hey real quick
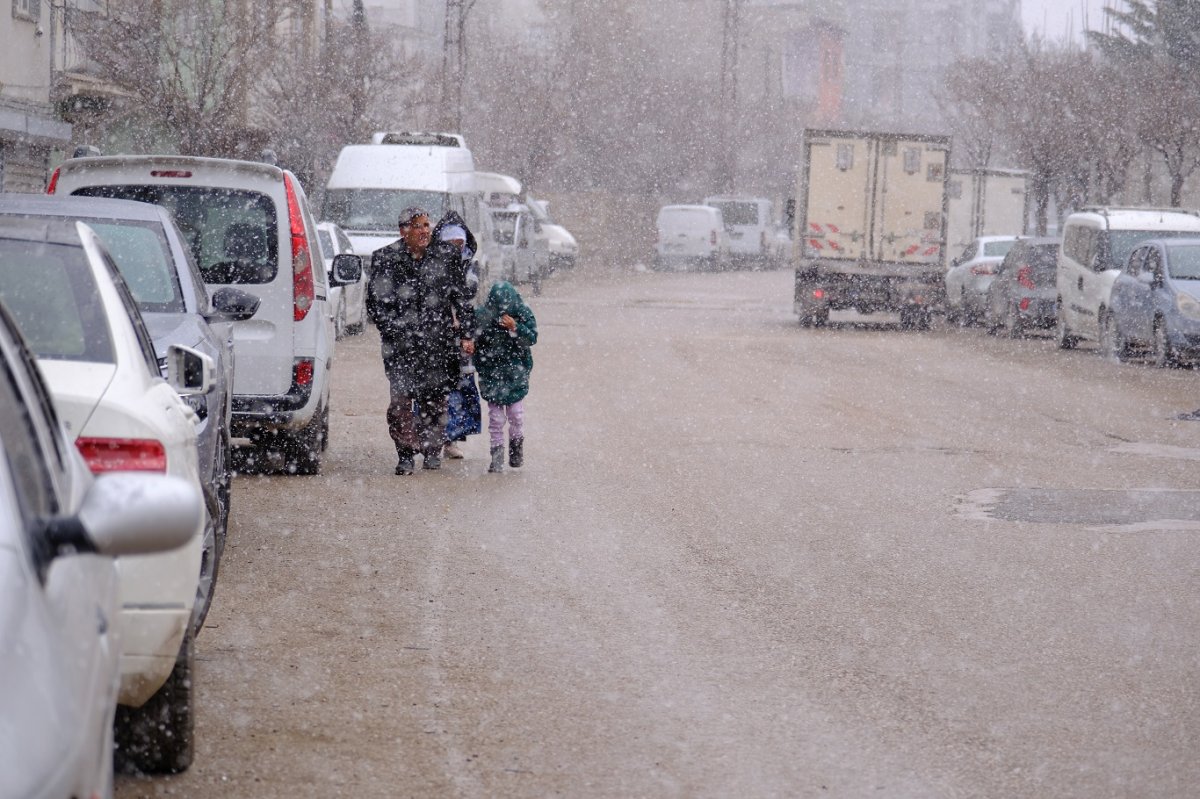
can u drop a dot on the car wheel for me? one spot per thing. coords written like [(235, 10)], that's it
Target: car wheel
[(158, 737), (1111, 344), (215, 526), (1062, 334), (302, 450), (1161, 352), (1014, 326)]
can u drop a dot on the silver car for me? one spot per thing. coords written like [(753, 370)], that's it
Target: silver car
[(971, 273), (59, 531), (157, 265)]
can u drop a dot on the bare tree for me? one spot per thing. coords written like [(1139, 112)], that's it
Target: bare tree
[(189, 67)]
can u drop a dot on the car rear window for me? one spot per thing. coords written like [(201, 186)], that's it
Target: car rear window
[(53, 296), (686, 219), (997, 249), (144, 258), (379, 209), (738, 213), (504, 227), (1184, 261), (232, 233)]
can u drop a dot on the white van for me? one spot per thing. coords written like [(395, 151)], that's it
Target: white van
[(748, 223), (247, 224), (1096, 245), (691, 236), (372, 183), (499, 191)]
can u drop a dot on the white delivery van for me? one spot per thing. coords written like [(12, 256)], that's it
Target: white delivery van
[(748, 223), (372, 183), (248, 224), (691, 236)]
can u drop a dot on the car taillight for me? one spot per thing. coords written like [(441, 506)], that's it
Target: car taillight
[(122, 454), (981, 270), (1025, 277), (303, 288), (818, 294), (302, 372), (53, 181)]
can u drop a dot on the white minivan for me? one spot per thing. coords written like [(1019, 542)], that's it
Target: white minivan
[(372, 183), (691, 236), (248, 224), (1096, 244), (748, 223)]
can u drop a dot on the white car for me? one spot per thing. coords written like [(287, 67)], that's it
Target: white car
[(67, 296), (691, 236), (1097, 243), (248, 225), (564, 249), (748, 223), (59, 532), (971, 273), (347, 303)]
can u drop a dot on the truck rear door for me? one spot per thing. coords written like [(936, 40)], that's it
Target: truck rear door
[(909, 189), (835, 215)]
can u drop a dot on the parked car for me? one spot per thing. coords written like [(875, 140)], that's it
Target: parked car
[(971, 273), (1154, 305), (1097, 242), (691, 237), (748, 223), (513, 231), (1021, 294), (80, 320), (60, 529), (561, 245), (348, 302), (157, 266), (248, 224)]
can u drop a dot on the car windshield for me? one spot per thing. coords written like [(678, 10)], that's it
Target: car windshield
[(231, 233), (738, 213), (1184, 261), (1122, 242), (142, 254), (378, 210), (504, 227), (997, 249), (51, 292)]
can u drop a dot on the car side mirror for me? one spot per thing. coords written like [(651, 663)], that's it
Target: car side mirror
[(347, 269), (188, 371), (233, 305)]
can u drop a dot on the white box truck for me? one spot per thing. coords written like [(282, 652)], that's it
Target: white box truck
[(985, 202), (870, 225)]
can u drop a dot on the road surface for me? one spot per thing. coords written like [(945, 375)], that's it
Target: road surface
[(743, 559)]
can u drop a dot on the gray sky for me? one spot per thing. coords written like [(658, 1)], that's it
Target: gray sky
[(1054, 18)]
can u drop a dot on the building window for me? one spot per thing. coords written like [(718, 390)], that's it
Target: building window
[(27, 9)]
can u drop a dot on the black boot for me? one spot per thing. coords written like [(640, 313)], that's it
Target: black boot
[(404, 462), (516, 452), (497, 464)]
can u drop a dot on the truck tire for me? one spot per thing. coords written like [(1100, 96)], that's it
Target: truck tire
[(159, 736)]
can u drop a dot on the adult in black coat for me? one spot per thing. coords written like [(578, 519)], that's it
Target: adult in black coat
[(415, 294)]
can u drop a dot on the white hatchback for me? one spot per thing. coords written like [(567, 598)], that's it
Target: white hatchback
[(347, 303), (971, 274), (81, 321)]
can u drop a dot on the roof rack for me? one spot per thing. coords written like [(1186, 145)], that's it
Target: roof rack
[(419, 138), (1104, 210)]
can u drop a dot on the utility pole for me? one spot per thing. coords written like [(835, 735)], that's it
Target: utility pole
[(730, 34), (358, 95), (454, 61)]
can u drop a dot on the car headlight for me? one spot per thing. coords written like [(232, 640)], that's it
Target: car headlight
[(1188, 305)]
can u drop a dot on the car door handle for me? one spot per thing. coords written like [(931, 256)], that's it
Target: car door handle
[(101, 622), (1080, 283)]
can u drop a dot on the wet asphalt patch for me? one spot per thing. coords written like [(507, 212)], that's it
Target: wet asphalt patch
[(1145, 509)]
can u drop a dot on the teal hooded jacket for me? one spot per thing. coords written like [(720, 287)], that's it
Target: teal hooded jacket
[(503, 361)]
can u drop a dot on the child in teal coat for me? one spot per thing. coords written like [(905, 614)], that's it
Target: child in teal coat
[(505, 329)]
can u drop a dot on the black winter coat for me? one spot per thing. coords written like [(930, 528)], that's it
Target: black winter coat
[(414, 303)]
